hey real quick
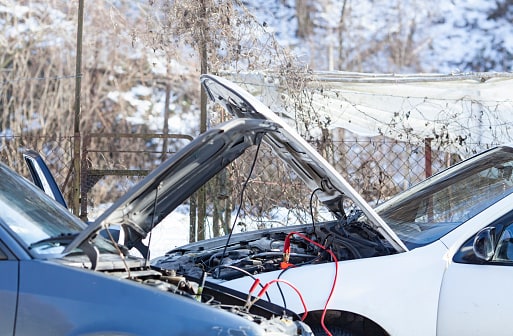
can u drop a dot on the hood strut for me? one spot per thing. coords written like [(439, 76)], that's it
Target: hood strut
[(147, 255)]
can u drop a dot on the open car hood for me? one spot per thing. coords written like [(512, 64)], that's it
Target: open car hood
[(147, 203), (300, 156)]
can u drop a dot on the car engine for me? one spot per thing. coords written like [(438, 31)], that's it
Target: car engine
[(251, 253)]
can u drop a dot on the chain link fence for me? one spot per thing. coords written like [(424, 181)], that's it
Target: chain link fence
[(377, 167), (112, 163)]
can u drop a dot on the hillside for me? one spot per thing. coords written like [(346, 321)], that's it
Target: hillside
[(400, 36)]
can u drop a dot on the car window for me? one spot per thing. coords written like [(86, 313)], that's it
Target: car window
[(503, 236), (504, 250), (30, 216), (436, 206)]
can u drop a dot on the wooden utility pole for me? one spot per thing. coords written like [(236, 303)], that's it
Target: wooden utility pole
[(198, 231), (75, 203)]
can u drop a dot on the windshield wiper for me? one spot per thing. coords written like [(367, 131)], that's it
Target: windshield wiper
[(60, 240)]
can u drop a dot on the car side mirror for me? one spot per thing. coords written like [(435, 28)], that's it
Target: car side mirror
[(484, 244)]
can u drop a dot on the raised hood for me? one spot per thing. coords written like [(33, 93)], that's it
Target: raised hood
[(306, 162), (147, 203), (165, 188)]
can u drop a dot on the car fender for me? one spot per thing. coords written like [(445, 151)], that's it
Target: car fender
[(398, 292)]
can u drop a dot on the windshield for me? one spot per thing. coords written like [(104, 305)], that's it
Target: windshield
[(31, 217), (431, 209)]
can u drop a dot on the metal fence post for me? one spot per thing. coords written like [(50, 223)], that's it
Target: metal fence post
[(428, 157)]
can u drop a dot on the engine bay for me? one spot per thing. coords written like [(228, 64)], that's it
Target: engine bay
[(252, 253)]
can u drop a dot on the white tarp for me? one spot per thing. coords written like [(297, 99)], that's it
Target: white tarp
[(460, 108), (477, 108)]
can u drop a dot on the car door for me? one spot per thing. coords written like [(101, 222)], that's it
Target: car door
[(8, 290), (476, 296)]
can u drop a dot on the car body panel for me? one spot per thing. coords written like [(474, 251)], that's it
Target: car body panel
[(484, 294), (8, 289), (470, 307)]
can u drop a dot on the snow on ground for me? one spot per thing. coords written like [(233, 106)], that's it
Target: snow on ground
[(171, 233)]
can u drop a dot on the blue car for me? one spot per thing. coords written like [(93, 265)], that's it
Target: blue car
[(59, 276)]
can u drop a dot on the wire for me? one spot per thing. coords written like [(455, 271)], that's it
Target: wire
[(286, 269), (287, 245), (311, 206), (248, 274), (28, 79), (266, 287), (255, 283), (244, 186), (123, 258), (279, 287)]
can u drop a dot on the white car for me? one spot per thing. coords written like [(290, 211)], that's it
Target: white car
[(436, 259)]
